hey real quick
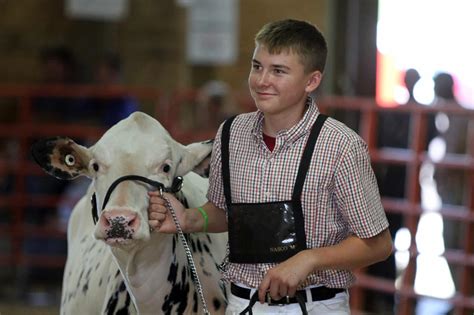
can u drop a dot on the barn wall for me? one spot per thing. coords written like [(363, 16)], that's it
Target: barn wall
[(151, 39)]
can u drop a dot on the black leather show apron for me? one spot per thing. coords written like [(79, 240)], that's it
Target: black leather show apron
[(268, 232)]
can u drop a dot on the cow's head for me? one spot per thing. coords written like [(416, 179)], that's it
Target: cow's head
[(138, 145)]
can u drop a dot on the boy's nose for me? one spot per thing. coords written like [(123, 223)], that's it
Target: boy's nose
[(263, 78)]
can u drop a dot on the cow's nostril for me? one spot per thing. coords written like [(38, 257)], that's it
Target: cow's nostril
[(107, 222), (119, 223)]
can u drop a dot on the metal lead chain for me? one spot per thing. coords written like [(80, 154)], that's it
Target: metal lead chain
[(189, 255)]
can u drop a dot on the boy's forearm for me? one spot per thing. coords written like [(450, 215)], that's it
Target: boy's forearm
[(353, 253), (216, 219)]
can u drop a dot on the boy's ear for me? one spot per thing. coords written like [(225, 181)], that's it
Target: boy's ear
[(314, 81)]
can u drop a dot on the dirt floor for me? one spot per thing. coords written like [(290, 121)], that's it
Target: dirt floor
[(7, 308), (32, 300)]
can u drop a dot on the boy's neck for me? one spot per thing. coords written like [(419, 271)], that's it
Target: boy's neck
[(273, 123)]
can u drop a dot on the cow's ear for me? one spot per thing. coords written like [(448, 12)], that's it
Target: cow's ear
[(61, 157), (196, 158)]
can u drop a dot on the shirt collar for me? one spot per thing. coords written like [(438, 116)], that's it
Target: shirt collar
[(295, 132)]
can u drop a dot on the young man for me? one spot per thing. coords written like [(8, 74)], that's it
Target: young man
[(298, 222)]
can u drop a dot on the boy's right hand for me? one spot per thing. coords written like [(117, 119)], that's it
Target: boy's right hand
[(159, 217)]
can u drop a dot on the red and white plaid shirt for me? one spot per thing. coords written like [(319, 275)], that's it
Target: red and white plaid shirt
[(340, 196)]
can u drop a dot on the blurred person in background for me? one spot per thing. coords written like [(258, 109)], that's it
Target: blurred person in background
[(410, 79), (215, 104), (59, 67), (393, 132), (448, 133), (108, 73)]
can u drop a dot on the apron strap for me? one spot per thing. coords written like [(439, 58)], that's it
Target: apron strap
[(304, 163), (225, 137), (307, 155)]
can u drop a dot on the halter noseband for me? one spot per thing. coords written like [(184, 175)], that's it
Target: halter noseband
[(175, 187)]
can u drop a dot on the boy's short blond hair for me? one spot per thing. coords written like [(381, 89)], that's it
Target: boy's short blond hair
[(299, 37)]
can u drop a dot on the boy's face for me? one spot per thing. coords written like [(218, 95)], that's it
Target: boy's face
[(278, 82)]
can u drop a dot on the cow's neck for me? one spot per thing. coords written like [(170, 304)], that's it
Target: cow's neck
[(146, 269)]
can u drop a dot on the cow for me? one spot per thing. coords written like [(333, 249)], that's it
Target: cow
[(117, 265)]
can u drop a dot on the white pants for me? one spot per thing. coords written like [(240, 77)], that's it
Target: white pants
[(338, 305)]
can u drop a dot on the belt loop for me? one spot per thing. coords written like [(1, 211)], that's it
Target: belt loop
[(309, 295)]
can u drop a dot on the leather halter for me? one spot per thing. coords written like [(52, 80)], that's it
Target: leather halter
[(175, 187)]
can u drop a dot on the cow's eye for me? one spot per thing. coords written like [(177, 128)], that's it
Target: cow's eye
[(95, 166), (166, 168), (70, 160)]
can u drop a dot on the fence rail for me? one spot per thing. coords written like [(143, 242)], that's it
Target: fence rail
[(20, 125)]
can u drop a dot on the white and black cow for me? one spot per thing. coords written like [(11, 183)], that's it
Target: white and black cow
[(132, 270)]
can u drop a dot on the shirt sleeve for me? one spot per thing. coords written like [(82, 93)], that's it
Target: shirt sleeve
[(357, 193), (215, 194)]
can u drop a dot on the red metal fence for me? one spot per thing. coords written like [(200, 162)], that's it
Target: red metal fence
[(20, 125)]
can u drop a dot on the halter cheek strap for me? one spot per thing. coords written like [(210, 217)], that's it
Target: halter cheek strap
[(175, 187)]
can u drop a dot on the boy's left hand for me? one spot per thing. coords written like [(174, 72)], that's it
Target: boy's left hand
[(283, 279)]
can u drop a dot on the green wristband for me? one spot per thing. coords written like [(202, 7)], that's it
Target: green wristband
[(205, 217)]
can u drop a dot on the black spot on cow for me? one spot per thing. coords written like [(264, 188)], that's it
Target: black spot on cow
[(113, 301), (92, 246), (217, 304), (185, 203), (112, 304), (184, 274), (193, 246), (85, 287), (195, 302), (125, 309), (199, 247), (122, 287), (79, 279), (88, 274), (176, 302), (173, 272), (175, 241), (182, 199)]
